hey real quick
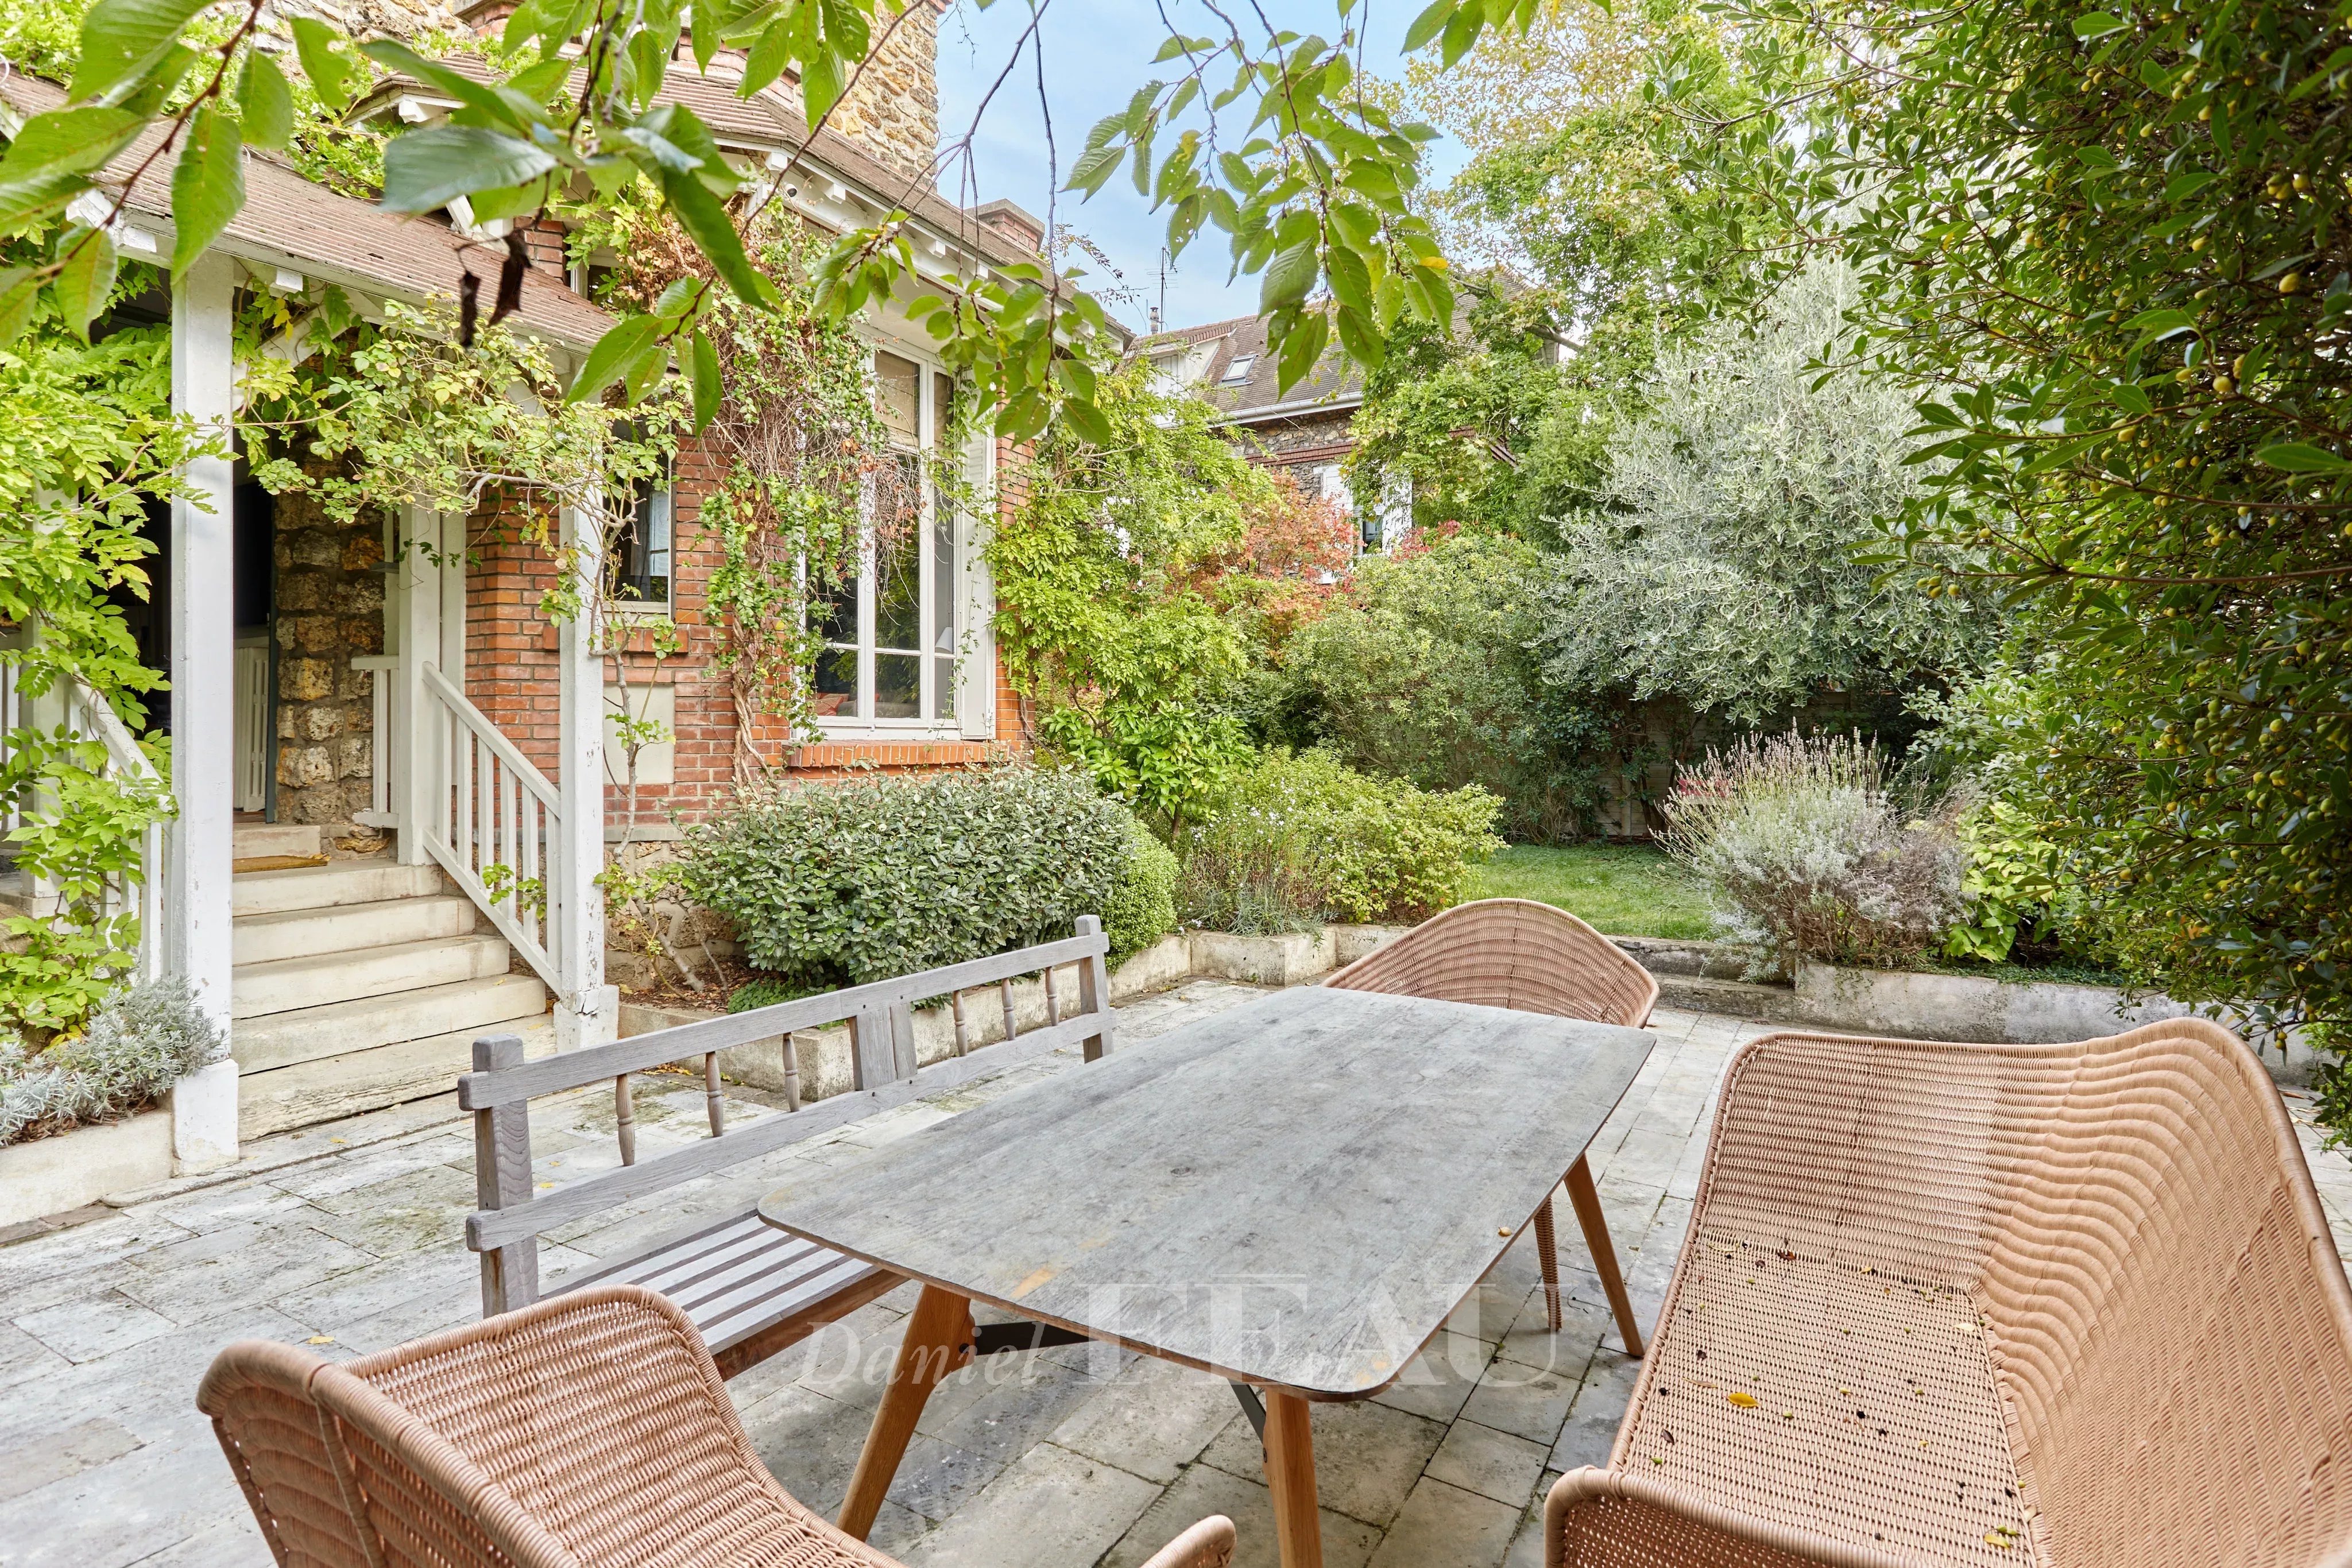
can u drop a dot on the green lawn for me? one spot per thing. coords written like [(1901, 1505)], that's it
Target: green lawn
[(1625, 889)]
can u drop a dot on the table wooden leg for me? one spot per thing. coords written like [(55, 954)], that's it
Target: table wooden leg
[(1587, 1202), (1548, 1263), (937, 1341), (1290, 1475)]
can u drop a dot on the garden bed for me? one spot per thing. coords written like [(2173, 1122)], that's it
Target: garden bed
[(41, 1176)]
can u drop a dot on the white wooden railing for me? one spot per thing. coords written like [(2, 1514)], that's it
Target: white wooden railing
[(88, 715), (383, 671), (491, 821)]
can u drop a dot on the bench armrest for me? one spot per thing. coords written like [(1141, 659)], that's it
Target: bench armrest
[(1606, 1519)]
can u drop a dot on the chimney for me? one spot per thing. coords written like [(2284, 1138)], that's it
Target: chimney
[(1012, 222)]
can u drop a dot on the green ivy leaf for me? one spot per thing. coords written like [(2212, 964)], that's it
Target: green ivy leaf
[(207, 185), (266, 101), (425, 169)]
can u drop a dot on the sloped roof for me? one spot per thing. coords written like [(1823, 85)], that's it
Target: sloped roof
[(290, 222), (768, 122), (1335, 383)]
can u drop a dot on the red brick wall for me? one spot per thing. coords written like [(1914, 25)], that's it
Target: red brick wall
[(510, 672)]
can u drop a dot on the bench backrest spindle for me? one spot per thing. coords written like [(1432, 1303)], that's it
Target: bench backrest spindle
[(625, 1118), (792, 1071), (962, 1030), (1053, 1003), (502, 1181), (710, 1094), (1004, 996)]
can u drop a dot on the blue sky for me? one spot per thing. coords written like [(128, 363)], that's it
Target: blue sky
[(1096, 53)]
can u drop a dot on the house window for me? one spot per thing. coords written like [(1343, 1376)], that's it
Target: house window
[(641, 552), (1237, 374), (890, 630)]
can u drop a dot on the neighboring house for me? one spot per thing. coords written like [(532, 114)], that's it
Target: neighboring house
[(316, 690), (1306, 432)]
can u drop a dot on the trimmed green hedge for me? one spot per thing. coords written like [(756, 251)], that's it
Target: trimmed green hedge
[(832, 884), (1303, 837), (1142, 907)]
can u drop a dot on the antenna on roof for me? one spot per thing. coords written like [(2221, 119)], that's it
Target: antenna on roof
[(1160, 312)]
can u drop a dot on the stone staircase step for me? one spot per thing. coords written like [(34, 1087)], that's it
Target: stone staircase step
[(336, 1028), (257, 841), (283, 985), (311, 1092), (328, 886), (350, 927)]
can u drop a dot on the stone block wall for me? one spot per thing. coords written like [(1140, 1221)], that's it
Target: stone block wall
[(893, 111), (330, 599)]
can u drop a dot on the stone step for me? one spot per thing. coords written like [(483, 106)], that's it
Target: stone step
[(327, 886), (308, 1034), (254, 841), (283, 985), (308, 1092), (351, 927)]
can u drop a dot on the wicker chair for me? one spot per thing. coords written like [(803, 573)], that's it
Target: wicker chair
[(591, 1429), (1517, 953), (2066, 1305)]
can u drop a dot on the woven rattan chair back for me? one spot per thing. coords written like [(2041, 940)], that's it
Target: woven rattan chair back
[(1510, 953), (2068, 1305), (286, 1457), (588, 1431)]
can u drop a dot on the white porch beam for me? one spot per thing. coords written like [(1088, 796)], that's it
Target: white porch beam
[(417, 601), (589, 1011), (203, 759)]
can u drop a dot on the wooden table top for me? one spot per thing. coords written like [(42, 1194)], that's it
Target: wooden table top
[(1295, 1192)]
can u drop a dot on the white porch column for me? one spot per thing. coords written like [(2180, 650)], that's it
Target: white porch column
[(417, 589), (589, 1011), (203, 759)]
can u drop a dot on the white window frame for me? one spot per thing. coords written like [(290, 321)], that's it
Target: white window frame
[(964, 709), (664, 607)]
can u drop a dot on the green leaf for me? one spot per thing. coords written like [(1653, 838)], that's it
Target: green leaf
[(2130, 399), (207, 186), (621, 344), (2098, 25), (1302, 348), (85, 277), (1429, 24), (2180, 187), (1289, 277), (19, 287), (24, 202), (425, 169), (709, 388), (266, 101), (77, 141), (329, 69), (2301, 457), (1094, 167), (713, 232), (122, 40), (1088, 420)]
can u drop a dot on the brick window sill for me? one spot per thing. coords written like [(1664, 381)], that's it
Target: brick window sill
[(894, 753)]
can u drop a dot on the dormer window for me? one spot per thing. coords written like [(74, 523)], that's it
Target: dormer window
[(1238, 372)]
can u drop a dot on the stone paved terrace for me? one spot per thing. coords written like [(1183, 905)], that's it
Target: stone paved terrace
[(345, 1237)]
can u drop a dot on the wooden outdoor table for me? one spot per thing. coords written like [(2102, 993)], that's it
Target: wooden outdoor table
[(1294, 1194)]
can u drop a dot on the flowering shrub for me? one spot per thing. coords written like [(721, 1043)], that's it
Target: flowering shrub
[(1305, 837), (1814, 855)]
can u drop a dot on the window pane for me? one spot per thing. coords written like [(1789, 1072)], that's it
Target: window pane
[(834, 612), (640, 564), (942, 406), (898, 571), (897, 389), (897, 686), (943, 576), (943, 693), (836, 683)]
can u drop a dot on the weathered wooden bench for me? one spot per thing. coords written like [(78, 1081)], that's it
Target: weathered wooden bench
[(750, 1289)]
